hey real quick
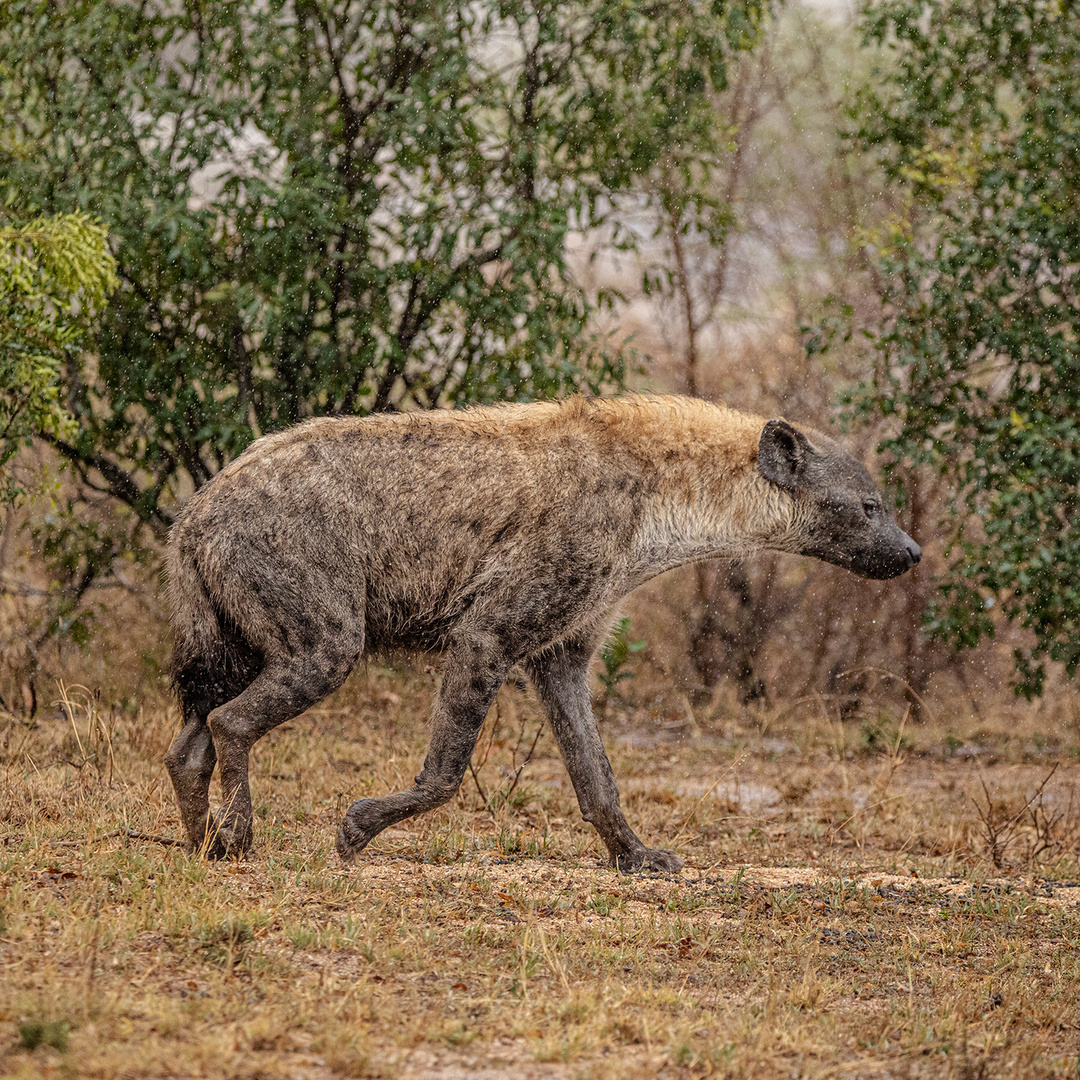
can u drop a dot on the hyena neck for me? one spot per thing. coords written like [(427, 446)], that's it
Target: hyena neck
[(733, 523), (706, 498)]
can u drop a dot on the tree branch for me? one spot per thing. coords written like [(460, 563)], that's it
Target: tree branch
[(121, 484), (412, 320)]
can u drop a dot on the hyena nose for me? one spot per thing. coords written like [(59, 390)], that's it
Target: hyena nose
[(914, 552)]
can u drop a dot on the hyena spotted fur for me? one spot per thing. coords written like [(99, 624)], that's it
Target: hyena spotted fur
[(496, 536)]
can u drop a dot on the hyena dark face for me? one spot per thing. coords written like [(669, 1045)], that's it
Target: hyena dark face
[(842, 518)]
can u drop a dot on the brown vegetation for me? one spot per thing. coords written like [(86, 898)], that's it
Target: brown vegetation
[(841, 912)]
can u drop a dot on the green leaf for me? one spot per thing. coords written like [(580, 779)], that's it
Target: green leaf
[(975, 120)]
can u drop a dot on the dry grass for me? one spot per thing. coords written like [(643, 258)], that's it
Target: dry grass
[(841, 913)]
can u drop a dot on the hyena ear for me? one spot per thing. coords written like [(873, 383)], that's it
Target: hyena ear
[(783, 453)]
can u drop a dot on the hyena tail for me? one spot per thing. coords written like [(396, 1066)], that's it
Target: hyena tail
[(211, 662)]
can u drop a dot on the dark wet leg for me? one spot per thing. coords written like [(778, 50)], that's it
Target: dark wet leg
[(561, 676)]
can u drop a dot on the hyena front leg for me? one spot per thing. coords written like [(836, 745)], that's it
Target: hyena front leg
[(561, 676), (476, 665)]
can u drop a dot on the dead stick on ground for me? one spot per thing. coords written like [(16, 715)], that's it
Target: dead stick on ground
[(483, 794), (128, 834), (483, 761), (494, 732), (528, 758)]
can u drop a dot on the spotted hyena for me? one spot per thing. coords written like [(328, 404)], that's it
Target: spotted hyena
[(496, 536)]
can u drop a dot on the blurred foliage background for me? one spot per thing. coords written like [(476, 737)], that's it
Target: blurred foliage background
[(220, 219)]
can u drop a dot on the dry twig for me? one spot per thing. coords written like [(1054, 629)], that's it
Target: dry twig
[(127, 834), (998, 833)]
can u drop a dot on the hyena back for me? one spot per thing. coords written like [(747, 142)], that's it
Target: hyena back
[(497, 536)]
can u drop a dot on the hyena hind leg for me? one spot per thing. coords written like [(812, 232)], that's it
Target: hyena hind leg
[(190, 761), (286, 687), (203, 686)]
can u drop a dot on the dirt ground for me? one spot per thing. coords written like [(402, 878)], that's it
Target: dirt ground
[(860, 899)]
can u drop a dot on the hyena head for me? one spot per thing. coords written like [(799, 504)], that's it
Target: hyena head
[(840, 516)]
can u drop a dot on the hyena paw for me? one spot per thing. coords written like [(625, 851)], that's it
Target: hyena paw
[(356, 830), (226, 842), (349, 850), (656, 859)]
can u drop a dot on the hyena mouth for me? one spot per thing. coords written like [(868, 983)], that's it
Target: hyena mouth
[(882, 565)]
